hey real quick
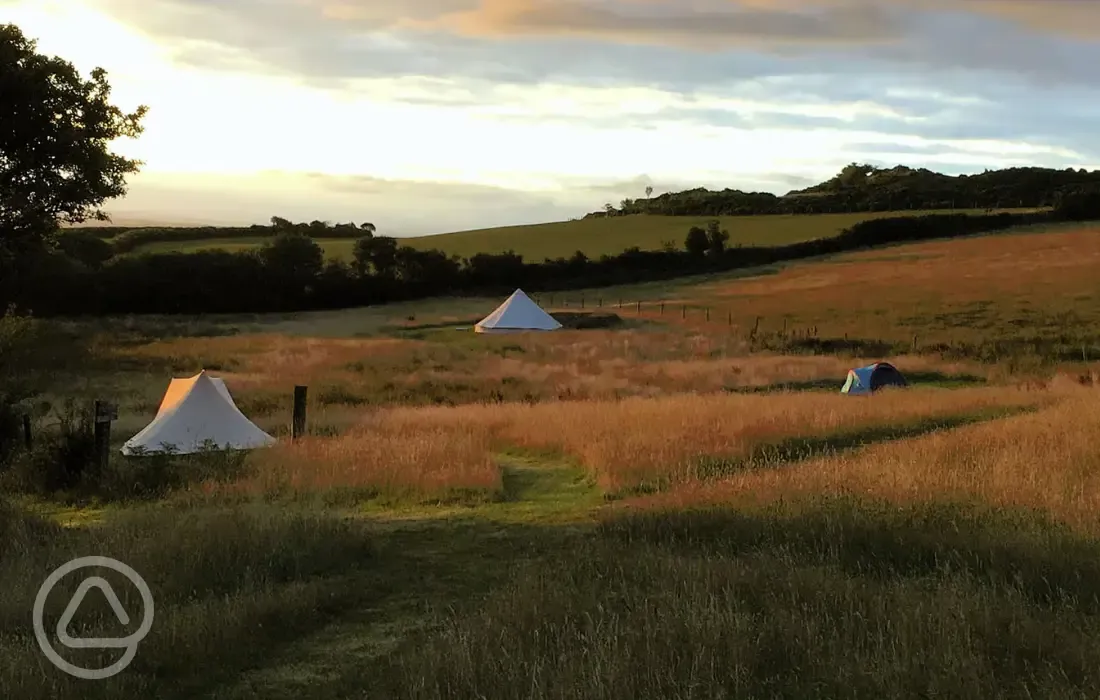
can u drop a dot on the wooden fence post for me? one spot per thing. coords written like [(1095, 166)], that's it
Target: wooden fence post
[(28, 439), (582, 301), (729, 319), (639, 307), (708, 313), (683, 311), (104, 413), (599, 302), (662, 308), (298, 425)]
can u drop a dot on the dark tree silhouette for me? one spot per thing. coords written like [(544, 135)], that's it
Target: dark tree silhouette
[(696, 242), (716, 238), (55, 164)]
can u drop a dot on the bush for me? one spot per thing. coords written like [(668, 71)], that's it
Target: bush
[(58, 461), (10, 423), (87, 249), (1081, 205)]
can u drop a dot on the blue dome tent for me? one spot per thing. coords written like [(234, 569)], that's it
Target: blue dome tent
[(869, 379)]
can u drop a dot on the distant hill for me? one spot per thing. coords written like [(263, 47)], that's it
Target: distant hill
[(128, 222), (866, 188), (592, 237), (856, 193)]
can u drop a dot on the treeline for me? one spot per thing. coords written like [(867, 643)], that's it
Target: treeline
[(290, 273), (861, 188), (121, 239)]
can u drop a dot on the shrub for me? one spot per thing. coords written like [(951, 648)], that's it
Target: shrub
[(59, 461)]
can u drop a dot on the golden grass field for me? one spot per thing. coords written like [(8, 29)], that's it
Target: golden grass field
[(669, 508), (1047, 460), (594, 237)]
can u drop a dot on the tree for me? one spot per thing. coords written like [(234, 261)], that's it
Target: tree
[(648, 191), (696, 242), (377, 254), (716, 238), (294, 258), (1078, 205), (368, 227), (855, 174), (55, 129)]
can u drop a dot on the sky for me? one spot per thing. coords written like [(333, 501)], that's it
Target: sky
[(428, 116)]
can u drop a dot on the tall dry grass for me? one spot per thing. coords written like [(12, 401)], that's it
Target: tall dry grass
[(261, 369), (1048, 461), (943, 291), (229, 585), (627, 443), (391, 461)]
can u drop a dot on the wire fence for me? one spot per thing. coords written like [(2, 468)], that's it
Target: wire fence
[(672, 310), (757, 330)]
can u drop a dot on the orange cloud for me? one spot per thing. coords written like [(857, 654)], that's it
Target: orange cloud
[(710, 22), (703, 24)]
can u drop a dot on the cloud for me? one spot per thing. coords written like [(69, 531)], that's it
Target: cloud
[(686, 42), (696, 25), (804, 21), (398, 207)]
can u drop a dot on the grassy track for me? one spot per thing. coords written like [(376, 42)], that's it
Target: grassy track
[(593, 237), (792, 588)]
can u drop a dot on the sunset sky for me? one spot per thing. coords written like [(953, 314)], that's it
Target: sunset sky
[(425, 116)]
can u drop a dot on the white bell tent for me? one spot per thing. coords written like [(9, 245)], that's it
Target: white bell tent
[(518, 313), (195, 412)]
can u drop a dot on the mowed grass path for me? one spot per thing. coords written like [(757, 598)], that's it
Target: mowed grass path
[(957, 569), (593, 237)]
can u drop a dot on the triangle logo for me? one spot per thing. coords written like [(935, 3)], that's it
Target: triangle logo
[(70, 610)]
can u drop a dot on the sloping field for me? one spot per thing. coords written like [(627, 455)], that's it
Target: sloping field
[(594, 237), (1021, 289)]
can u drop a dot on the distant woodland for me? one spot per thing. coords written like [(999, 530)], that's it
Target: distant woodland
[(860, 187), (84, 270)]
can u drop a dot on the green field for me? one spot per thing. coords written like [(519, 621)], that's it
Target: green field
[(595, 237)]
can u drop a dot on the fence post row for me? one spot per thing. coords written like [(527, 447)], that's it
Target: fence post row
[(28, 439)]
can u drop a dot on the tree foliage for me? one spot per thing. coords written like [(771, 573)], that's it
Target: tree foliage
[(55, 132), (55, 161), (696, 242), (716, 239)]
